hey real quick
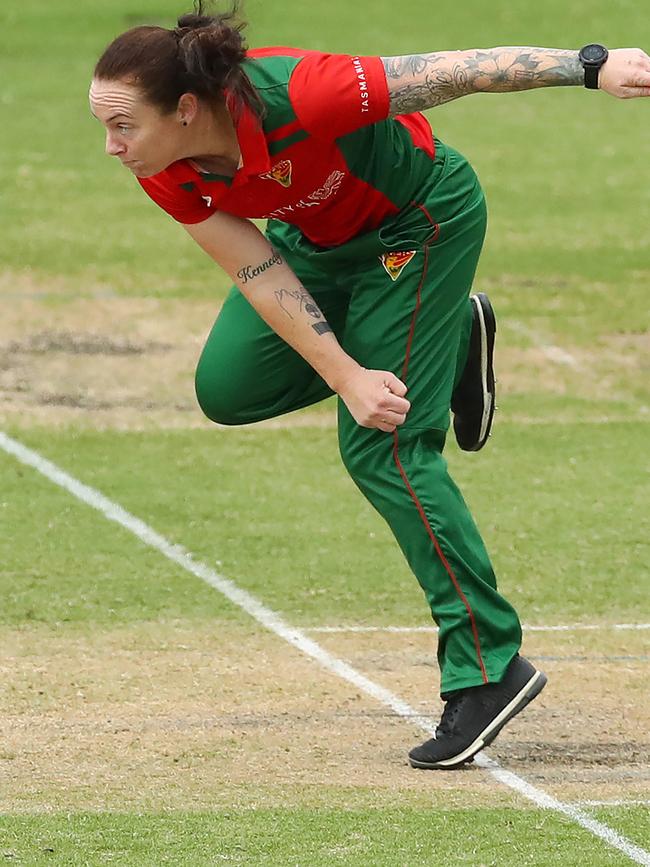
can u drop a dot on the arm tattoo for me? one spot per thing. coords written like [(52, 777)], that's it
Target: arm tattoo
[(299, 300), (420, 81), (249, 272), (321, 327)]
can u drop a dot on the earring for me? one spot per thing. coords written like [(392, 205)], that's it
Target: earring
[(184, 122)]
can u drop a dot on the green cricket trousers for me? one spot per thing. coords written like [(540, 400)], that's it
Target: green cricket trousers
[(409, 314)]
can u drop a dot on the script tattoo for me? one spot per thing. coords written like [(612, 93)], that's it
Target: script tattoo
[(420, 81), (249, 272), (301, 301)]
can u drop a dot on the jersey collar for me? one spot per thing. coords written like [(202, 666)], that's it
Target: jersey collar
[(252, 142), (255, 159)]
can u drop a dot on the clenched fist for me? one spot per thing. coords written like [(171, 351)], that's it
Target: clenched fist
[(375, 398)]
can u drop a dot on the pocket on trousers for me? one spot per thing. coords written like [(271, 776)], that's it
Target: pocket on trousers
[(411, 230)]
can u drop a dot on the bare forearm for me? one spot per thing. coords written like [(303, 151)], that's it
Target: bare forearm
[(284, 304), (420, 81), (275, 292)]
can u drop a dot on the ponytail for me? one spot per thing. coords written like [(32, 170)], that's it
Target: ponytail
[(203, 55)]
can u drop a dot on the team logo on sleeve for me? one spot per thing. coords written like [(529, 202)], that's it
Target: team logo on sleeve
[(394, 263), (281, 172)]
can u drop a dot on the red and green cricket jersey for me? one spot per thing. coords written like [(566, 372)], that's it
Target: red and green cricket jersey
[(325, 156)]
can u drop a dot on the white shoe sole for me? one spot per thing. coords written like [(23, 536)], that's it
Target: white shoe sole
[(487, 395)]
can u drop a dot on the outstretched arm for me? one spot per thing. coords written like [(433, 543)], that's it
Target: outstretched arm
[(420, 81)]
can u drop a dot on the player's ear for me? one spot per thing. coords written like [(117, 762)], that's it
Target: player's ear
[(187, 108)]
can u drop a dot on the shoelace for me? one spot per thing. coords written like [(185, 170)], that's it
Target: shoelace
[(488, 694), (450, 714)]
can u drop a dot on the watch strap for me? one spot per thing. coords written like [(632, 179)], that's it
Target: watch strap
[(591, 77)]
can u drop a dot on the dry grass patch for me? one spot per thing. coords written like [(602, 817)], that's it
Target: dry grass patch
[(189, 716), (184, 716), (109, 360)]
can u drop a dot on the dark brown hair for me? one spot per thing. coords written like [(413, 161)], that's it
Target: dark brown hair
[(201, 55)]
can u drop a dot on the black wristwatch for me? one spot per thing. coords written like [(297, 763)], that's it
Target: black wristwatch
[(592, 58)]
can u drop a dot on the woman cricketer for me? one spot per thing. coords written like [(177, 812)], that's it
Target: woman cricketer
[(359, 287)]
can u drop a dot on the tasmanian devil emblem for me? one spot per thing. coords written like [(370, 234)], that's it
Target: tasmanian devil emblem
[(281, 172), (394, 263)]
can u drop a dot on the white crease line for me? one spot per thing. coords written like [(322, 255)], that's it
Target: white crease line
[(568, 627), (296, 637), (555, 353)]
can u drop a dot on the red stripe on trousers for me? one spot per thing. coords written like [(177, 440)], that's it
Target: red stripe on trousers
[(413, 495)]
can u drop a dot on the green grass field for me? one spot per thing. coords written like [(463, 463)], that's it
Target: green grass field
[(147, 720)]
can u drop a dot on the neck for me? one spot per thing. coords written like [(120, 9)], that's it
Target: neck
[(212, 145)]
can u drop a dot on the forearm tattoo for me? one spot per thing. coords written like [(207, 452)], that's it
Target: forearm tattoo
[(297, 301), (249, 272), (420, 81)]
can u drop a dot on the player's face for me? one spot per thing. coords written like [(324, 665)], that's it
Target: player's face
[(143, 139)]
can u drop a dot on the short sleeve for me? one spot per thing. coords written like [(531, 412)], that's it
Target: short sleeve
[(336, 94), (184, 203)]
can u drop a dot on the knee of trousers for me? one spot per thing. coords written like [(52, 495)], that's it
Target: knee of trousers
[(217, 398)]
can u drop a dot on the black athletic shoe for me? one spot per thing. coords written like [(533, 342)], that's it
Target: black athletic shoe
[(472, 402), (473, 717)]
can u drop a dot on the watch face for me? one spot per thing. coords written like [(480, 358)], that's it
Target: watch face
[(593, 53)]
